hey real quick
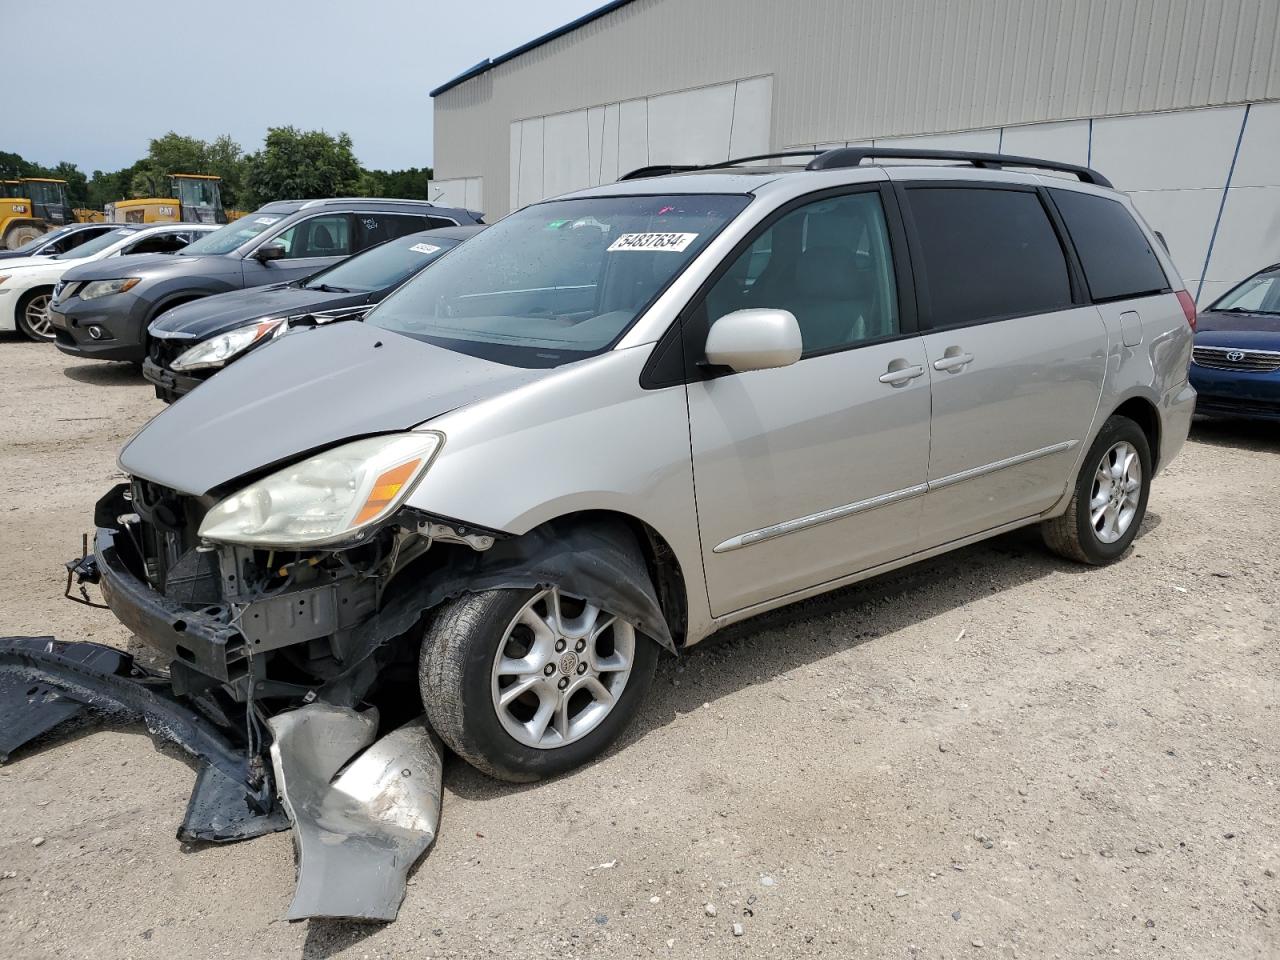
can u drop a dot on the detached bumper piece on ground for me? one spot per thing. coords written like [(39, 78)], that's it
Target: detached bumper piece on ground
[(360, 819)]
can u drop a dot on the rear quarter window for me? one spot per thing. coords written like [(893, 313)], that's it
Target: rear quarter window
[(1118, 261)]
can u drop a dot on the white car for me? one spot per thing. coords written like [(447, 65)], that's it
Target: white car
[(26, 283)]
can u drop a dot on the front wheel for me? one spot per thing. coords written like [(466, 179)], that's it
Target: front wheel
[(524, 684), (1110, 498), (33, 316)]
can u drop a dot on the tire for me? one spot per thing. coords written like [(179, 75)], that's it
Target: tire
[(32, 315), (459, 677), (1098, 535), (18, 236)]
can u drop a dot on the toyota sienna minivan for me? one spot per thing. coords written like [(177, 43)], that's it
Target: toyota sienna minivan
[(618, 420)]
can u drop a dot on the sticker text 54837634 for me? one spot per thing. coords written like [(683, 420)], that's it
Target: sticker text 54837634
[(670, 242)]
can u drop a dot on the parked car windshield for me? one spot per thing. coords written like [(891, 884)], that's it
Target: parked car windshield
[(1258, 294), (234, 235), (97, 244), (383, 266), (557, 281)]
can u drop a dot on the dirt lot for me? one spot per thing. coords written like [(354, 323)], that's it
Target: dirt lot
[(993, 754)]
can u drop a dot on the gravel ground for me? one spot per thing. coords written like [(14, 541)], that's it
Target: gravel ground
[(993, 754)]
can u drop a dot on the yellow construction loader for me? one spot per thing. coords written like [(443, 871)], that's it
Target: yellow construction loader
[(31, 206), (196, 198)]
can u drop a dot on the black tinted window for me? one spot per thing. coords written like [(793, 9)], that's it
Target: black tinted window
[(1117, 260), (375, 228), (987, 254)]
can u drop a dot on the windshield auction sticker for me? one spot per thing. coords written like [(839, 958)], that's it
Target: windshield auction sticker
[(423, 248), (673, 242)]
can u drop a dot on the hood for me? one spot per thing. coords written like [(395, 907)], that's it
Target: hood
[(156, 266), (312, 389), (204, 318), (13, 263), (1259, 331)]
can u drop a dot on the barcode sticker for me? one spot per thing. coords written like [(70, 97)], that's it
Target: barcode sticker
[(673, 242)]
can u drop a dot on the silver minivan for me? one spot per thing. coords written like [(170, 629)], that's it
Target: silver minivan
[(619, 420)]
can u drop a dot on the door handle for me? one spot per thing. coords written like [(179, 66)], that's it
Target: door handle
[(953, 360), (900, 375)]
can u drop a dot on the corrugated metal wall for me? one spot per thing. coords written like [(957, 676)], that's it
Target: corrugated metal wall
[(857, 69)]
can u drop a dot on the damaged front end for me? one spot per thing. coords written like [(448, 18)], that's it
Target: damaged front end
[(294, 672)]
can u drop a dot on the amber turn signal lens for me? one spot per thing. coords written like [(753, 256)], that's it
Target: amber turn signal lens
[(385, 489)]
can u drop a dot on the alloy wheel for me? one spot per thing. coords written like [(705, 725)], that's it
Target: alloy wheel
[(1117, 490), (36, 316), (560, 669)]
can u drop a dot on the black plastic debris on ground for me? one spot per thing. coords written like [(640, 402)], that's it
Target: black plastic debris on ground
[(45, 683)]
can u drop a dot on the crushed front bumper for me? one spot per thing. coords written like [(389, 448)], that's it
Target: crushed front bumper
[(207, 632), (202, 640)]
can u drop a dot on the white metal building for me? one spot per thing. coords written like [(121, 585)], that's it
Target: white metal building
[(1176, 101)]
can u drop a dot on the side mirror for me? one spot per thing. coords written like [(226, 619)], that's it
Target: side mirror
[(269, 252), (754, 340)]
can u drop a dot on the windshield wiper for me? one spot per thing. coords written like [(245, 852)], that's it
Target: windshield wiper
[(325, 288)]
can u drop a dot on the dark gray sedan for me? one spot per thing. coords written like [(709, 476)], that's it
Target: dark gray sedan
[(192, 342), (281, 242)]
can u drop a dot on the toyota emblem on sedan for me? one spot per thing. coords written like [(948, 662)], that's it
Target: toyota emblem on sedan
[(1235, 356)]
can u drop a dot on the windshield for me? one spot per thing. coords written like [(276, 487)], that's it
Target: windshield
[(31, 245), (385, 265), (233, 235), (558, 281), (1258, 294), (110, 238)]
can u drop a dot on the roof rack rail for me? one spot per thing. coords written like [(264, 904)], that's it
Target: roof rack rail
[(663, 169), (853, 156), (840, 157), (322, 200)]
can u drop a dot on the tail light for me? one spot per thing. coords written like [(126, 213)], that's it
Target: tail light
[(1189, 308)]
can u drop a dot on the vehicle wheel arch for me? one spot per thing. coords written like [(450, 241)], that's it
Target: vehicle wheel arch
[(175, 300), (1143, 411), (660, 559)]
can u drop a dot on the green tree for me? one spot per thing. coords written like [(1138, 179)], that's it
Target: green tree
[(296, 164), (409, 184)]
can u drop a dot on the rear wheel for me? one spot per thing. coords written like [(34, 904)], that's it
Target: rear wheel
[(33, 315), (1110, 498), (524, 684), (18, 236)]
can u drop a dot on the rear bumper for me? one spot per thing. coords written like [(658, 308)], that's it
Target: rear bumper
[(1178, 406)]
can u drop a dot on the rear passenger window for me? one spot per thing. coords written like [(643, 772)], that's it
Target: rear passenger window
[(987, 254), (1117, 259), (375, 228), (828, 263)]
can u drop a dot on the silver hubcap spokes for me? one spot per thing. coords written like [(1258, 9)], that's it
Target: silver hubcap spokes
[(560, 669), (1117, 488), (37, 316)]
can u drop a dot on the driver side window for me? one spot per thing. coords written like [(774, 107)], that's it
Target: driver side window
[(324, 236), (828, 263)]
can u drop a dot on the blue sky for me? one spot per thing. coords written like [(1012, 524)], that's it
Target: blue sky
[(96, 79)]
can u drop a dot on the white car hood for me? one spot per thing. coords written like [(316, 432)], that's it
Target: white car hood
[(7, 265), (38, 271)]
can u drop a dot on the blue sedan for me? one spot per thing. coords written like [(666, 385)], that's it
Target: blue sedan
[(1235, 364)]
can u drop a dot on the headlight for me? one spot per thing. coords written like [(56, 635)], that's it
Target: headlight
[(216, 351), (326, 498), (104, 288), (4, 277)]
